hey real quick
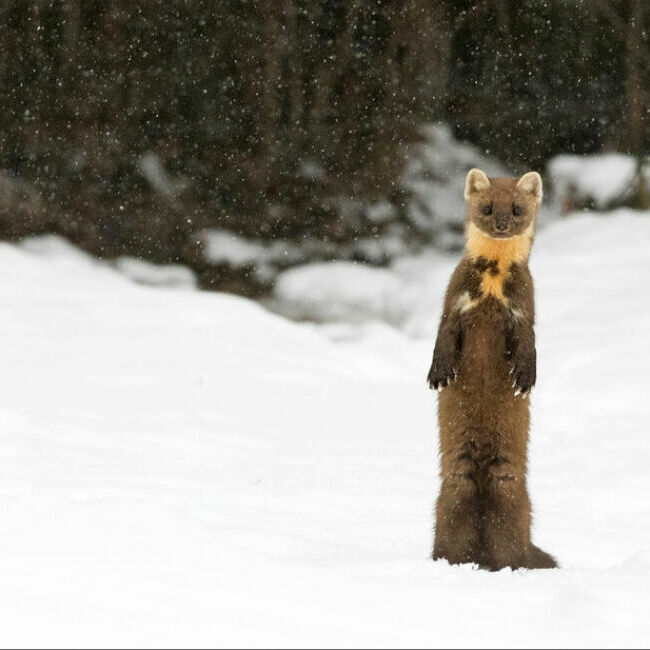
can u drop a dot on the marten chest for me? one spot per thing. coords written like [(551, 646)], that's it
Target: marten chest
[(493, 267), (489, 278)]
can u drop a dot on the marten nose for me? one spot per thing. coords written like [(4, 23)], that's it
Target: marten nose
[(501, 225)]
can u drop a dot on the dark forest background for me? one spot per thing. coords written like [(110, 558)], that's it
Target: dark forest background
[(128, 127)]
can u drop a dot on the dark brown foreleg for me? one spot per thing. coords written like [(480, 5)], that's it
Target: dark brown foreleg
[(446, 354), (520, 340)]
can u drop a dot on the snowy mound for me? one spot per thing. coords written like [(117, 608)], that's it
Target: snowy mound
[(185, 469), (600, 181), (60, 252), (156, 275), (337, 291)]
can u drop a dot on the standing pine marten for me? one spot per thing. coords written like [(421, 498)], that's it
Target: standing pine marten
[(484, 364)]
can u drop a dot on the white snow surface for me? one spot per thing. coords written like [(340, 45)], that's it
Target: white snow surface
[(185, 469)]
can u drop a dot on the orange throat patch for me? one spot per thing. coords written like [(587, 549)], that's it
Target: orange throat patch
[(500, 254)]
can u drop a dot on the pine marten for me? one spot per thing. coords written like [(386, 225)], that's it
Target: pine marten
[(484, 366)]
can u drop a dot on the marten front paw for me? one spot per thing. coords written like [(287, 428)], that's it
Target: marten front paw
[(443, 371), (524, 373)]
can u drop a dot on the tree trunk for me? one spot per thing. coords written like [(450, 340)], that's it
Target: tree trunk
[(633, 89)]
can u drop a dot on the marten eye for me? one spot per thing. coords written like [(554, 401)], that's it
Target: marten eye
[(487, 210), (516, 210)]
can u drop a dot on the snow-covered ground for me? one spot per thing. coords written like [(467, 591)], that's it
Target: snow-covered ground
[(185, 468)]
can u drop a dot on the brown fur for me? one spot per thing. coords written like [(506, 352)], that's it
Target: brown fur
[(485, 360)]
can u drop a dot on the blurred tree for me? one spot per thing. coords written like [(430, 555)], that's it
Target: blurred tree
[(129, 126), (531, 78), (271, 112), (629, 22)]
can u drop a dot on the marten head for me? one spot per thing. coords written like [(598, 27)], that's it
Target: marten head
[(502, 208)]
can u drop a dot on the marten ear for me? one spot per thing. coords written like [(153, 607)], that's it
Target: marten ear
[(531, 183), (476, 181)]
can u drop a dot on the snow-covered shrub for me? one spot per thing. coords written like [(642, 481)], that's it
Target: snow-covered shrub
[(598, 181), (263, 260), (432, 213), (435, 178)]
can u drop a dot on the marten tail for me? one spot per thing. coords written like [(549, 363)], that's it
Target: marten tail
[(538, 559)]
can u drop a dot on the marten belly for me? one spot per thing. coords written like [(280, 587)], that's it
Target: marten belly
[(484, 366), (482, 403)]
